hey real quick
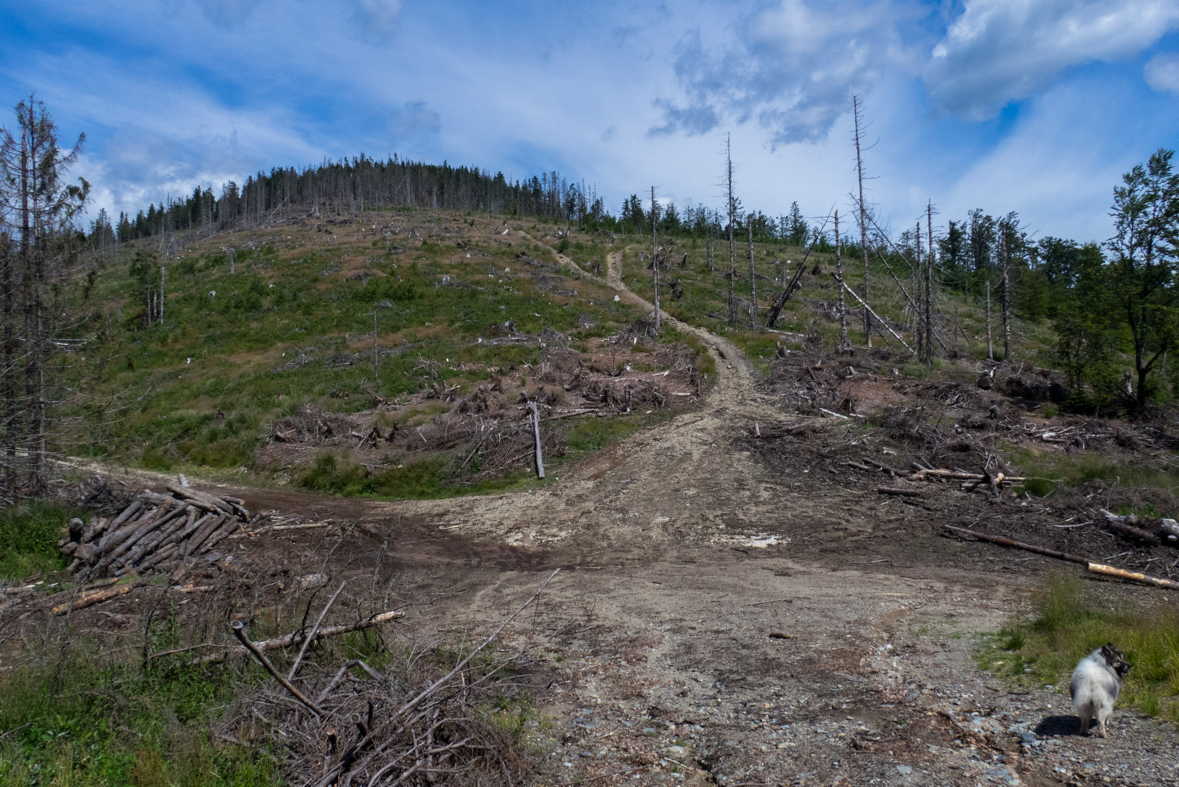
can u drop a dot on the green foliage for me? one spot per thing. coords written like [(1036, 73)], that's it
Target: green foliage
[(28, 538), (425, 479), (78, 719), (1086, 466), (591, 434), (1072, 621)]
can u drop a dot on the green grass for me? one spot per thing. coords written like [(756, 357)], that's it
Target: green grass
[(426, 479), (291, 327), (1071, 621), (72, 719), (28, 539), (1082, 467), (591, 434)]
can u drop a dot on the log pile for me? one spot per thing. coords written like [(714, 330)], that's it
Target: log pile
[(155, 533)]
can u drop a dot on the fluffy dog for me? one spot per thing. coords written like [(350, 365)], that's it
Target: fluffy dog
[(1095, 685)]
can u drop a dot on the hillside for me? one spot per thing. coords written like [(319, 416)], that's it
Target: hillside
[(401, 344)]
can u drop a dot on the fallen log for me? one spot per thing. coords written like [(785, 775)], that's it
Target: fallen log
[(1007, 542), (98, 597), (211, 521), (1110, 571), (297, 637), (232, 525), (128, 512), (891, 490), (200, 499), (1132, 533)]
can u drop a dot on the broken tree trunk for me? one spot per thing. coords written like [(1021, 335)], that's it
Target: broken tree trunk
[(1110, 571), (536, 432)]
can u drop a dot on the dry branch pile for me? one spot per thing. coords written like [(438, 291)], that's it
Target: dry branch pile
[(155, 533), (415, 723)]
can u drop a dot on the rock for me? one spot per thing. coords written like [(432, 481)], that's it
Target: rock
[(312, 581), (904, 770)]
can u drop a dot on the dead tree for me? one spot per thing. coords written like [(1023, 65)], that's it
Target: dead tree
[(1005, 282), (929, 286), (732, 315), (752, 281), (863, 219), (844, 343), (990, 346), (32, 190), (655, 255)]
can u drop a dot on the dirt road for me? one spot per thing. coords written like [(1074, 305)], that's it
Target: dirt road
[(724, 618)]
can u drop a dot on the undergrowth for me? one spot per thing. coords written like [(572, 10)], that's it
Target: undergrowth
[(1071, 621), (75, 718), (28, 539)]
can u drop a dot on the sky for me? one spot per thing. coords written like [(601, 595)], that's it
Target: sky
[(1032, 106)]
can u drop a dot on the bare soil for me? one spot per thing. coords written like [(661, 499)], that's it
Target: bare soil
[(732, 609)]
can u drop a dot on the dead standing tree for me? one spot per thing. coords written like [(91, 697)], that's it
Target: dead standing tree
[(41, 207), (752, 281), (732, 312), (863, 219), (844, 342), (655, 254), (929, 261)]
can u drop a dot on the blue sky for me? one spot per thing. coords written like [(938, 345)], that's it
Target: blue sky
[(1034, 106)]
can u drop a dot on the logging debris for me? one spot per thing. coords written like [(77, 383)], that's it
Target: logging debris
[(154, 533), (1096, 568)]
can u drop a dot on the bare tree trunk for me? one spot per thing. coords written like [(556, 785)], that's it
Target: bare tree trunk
[(32, 305), (732, 315), (863, 220), (1006, 299), (929, 287), (655, 257), (752, 281), (918, 318), (990, 347), (9, 375), (844, 342), (161, 295)]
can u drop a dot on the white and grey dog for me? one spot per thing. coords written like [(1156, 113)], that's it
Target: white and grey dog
[(1095, 686)]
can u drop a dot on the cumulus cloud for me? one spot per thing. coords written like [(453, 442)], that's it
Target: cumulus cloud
[(1162, 72), (1000, 51), (791, 71), (413, 118)]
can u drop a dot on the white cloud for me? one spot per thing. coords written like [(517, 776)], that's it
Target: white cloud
[(1000, 51), (792, 70), (378, 18), (1162, 72), (413, 118)]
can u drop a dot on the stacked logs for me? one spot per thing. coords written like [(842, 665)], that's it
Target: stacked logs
[(155, 533)]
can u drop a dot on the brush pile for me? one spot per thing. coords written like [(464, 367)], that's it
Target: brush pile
[(414, 723), (154, 533)]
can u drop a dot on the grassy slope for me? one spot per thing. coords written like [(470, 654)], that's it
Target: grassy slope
[(293, 326)]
